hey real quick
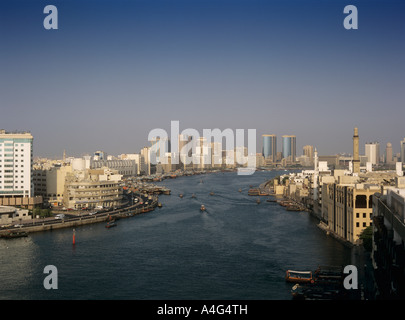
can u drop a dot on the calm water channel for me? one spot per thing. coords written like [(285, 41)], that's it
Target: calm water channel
[(238, 249)]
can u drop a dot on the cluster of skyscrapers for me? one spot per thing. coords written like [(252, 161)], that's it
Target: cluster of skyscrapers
[(18, 179), (288, 154), (289, 148)]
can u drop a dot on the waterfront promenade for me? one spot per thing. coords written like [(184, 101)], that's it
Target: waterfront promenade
[(47, 224)]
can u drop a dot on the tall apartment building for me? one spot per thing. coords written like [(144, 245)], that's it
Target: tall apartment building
[(402, 155), (269, 150), (309, 152), (389, 159), (373, 152), (15, 165), (289, 148), (159, 148)]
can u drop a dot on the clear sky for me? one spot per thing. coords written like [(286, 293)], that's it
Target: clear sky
[(115, 70)]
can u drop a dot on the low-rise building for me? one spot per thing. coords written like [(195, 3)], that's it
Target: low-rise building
[(50, 183), (12, 215), (348, 208), (92, 189)]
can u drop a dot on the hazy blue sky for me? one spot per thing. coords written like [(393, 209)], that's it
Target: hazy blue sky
[(114, 70)]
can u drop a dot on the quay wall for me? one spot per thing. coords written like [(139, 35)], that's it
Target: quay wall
[(80, 221)]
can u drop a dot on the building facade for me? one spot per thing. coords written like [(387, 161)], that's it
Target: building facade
[(309, 152), (92, 189), (289, 148), (124, 167), (15, 164), (402, 154), (50, 184), (373, 152), (389, 159), (348, 208), (388, 252), (269, 150)]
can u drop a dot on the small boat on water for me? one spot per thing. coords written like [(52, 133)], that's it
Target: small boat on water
[(253, 192), (110, 224), (258, 201), (193, 196), (298, 276), (211, 193), (285, 203), (181, 195), (159, 205), (13, 235), (202, 208), (294, 207), (240, 190)]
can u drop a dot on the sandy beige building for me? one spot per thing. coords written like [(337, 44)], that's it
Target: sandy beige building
[(92, 189), (348, 208), (50, 184)]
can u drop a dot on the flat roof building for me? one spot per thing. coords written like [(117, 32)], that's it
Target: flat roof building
[(16, 154)]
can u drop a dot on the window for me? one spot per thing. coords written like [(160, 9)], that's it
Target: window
[(364, 214), (364, 224), (361, 201), (357, 215), (357, 224)]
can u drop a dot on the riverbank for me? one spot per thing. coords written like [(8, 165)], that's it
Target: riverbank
[(72, 222)]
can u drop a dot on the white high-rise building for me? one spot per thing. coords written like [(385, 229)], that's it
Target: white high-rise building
[(15, 164), (373, 152), (402, 155)]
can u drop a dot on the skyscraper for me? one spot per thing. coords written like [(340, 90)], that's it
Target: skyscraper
[(269, 150), (289, 148), (373, 152), (388, 154), (309, 152), (356, 157), (160, 147), (403, 151), (16, 165)]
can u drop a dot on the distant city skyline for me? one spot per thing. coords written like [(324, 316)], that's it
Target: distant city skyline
[(114, 71)]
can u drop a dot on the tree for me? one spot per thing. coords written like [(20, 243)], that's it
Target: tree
[(367, 237)]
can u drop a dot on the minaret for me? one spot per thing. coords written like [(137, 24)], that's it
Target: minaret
[(316, 174), (356, 159)]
